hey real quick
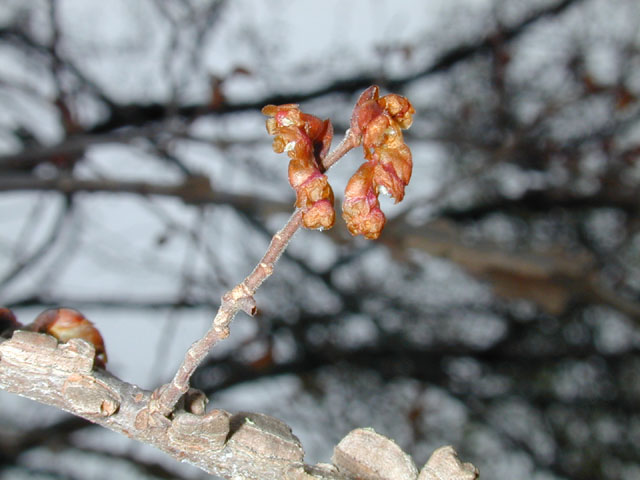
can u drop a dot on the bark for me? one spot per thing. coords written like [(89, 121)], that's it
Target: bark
[(234, 446)]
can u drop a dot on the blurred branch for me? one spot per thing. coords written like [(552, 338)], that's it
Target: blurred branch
[(551, 278), (15, 443), (195, 189), (73, 146), (45, 246), (135, 115), (394, 359), (21, 39), (621, 197)]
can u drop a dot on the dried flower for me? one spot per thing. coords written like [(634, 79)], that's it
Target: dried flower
[(65, 324), (378, 123), (306, 139)]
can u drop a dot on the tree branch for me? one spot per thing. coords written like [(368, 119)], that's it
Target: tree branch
[(194, 189), (132, 115), (238, 298), (552, 278), (244, 445)]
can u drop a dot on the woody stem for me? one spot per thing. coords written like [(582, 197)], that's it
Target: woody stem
[(238, 298)]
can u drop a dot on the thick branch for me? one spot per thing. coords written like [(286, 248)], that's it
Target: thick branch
[(34, 366), (552, 279), (244, 445)]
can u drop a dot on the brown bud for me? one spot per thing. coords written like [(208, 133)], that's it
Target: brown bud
[(365, 110), (378, 123), (306, 139), (361, 209), (65, 324), (8, 322)]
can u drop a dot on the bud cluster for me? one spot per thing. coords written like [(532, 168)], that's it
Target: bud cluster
[(306, 139), (376, 124), (387, 168)]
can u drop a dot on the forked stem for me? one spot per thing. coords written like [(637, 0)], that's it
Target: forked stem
[(238, 298)]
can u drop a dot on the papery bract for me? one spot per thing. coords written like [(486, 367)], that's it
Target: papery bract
[(306, 139), (378, 123)]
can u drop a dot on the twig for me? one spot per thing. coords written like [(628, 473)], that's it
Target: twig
[(240, 297), (349, 142)]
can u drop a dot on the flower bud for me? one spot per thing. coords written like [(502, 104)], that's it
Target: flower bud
[(8, 322), (65, 324), (306, 139), (378, 123)]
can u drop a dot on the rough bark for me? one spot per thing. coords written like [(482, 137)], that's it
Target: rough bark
[(235, 446)]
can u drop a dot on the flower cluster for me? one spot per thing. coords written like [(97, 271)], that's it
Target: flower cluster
[(306, 139), (378, 123)]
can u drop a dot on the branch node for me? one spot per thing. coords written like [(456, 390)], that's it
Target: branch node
[(268, 268), (195, 401), (222, 331), (248, 305), (240, 298)]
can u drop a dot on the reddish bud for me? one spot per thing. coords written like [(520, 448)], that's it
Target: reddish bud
[(365, 110), (399, 108), (8, 322), (65, 324), (378, 123), (361, 209), (306, 139)]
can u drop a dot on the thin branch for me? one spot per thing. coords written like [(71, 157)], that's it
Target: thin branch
[(194, 189), (238, 298), (136, 114), (42, 250)]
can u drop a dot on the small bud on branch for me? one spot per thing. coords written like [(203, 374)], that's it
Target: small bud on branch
[(67, 323), (8, 322)]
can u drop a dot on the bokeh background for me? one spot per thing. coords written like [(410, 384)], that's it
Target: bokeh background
[(499, 310)]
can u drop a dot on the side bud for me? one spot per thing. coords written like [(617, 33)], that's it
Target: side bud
[(8, 322), (67, 323)]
